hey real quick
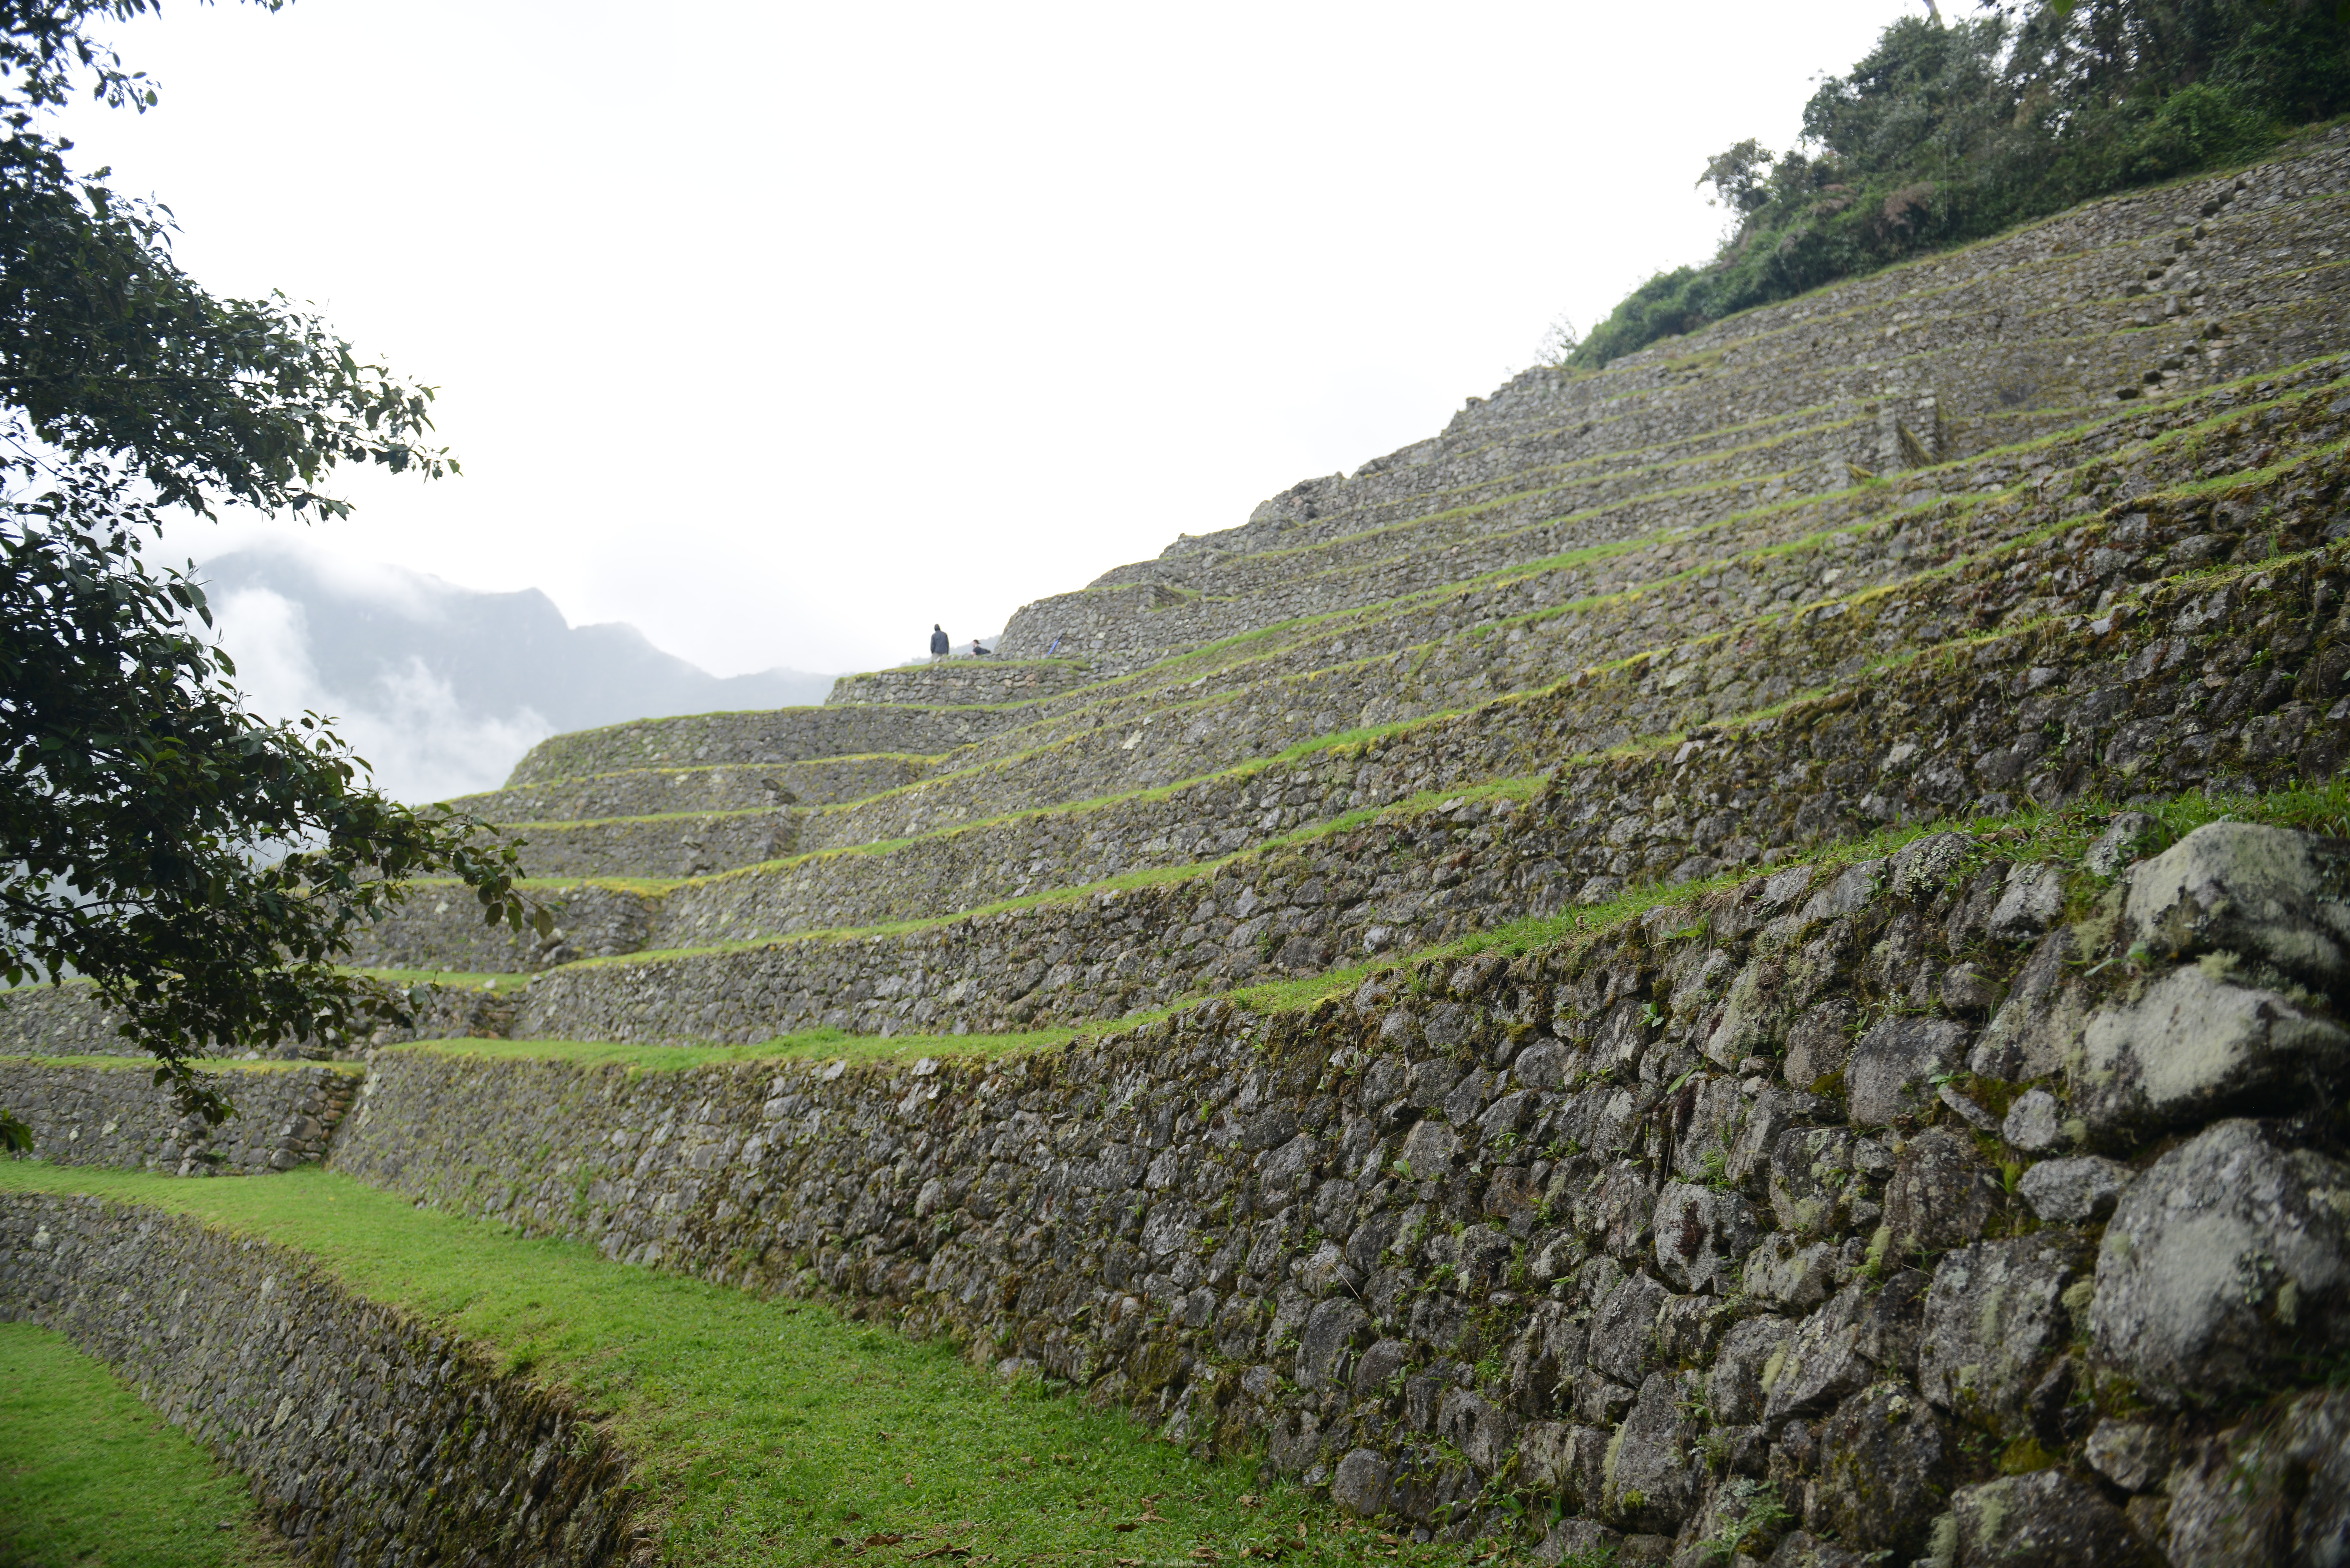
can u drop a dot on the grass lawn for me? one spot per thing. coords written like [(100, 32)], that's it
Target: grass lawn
[(775, 1432), (90, 1476)]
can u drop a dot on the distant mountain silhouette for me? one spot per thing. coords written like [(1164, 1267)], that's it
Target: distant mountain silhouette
[(500, 654)]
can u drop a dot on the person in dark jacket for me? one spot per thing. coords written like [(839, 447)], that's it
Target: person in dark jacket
[(941, 644), (977, 651)]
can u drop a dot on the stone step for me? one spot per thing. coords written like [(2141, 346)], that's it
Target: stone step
[(960, 680), (2160, 692), (656, 791)]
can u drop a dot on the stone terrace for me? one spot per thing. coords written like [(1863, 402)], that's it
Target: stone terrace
[(1674, 1214)]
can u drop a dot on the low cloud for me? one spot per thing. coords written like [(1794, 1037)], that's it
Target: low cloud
[(421, 741), (442, 687)]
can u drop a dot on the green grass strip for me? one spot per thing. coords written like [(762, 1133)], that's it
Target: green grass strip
[(89, 1475), (449, 979), (767, 1432), (810, 1044), (146, 1063)]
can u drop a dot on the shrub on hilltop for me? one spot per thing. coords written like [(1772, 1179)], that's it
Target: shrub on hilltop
[(1947, 132)]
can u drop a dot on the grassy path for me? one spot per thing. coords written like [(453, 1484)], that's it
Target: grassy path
[(778, 1432), (89, 1476)]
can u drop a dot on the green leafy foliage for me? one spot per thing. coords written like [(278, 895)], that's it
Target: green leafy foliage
[(1946, 133), (205, 870)]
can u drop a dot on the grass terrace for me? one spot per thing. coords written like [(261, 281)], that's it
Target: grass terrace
[(764, 1431), (90, 1476)]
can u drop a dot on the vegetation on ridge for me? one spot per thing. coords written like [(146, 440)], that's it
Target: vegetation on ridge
[(1949, 133)]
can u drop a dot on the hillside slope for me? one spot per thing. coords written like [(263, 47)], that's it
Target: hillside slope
[(1741, 951)]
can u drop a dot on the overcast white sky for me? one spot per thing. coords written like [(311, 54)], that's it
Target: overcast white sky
[(785, 330)]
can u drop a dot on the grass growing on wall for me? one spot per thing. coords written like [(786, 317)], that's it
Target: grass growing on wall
[(812, 1045), (89, 1475), (767, 1432)]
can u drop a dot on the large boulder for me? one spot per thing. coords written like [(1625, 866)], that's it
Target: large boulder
[(1360, 1484), (1650, 1479), (1811, 1178), (1733, 1388), (2272, 892), (2043, 1520), (2194, 1047), (1328, 1342), (1703, 1235), (2076, 1191), (1622, 1334), (1783, 1271), (2227, 1257), (2040, 1022), (1861, 1332), (1996, 1318)]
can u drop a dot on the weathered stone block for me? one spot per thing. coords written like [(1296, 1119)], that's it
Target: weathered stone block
[(1996, 1316), (1893, 1066), (2194, 1047), (2270, 892), (2230, 1253)]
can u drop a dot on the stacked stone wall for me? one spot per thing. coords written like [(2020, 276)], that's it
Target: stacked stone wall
[(961, 679), (765, 738), (1840, 1189), (1982, 342), (2046, 274), (2164, 694), (116, 1116), (657, 847), (1433, 656), (1228, 812), (653, 792), (70, 1020), (369, 1437)]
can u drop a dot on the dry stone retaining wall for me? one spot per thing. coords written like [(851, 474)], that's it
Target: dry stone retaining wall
[(1193, 720), (1974, 340), (115, 1116), (2283, 504), (659, 846), (369, 1437), (1704, 1209), (766, 738), (653, 791), (1228, 812), (961, 679), (2168, 693), (68, 1021)]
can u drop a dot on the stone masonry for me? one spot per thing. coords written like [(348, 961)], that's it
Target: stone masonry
[(1812, 862)]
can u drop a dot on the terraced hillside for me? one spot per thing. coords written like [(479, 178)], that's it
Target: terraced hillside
[(1536, 986)]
